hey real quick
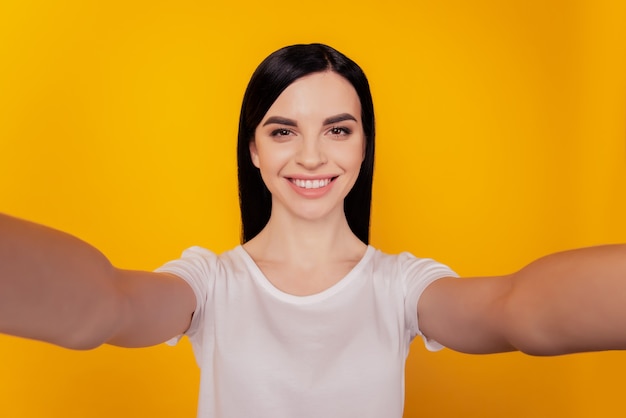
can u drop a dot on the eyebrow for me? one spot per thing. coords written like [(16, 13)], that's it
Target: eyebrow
[(280, 121), (339, 118), (290, 122)]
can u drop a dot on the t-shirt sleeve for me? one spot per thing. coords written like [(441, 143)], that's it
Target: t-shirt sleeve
[(417, 274), (198, 267)]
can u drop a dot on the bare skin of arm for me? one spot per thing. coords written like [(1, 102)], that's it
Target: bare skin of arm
[(567, 302), (57, 288)]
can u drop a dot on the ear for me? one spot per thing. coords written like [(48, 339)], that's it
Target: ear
[(364, 149), (254, 154)]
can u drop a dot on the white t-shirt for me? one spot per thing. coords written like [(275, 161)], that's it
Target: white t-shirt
[(339, 353)]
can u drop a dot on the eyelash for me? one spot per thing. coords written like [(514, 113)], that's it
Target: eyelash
[(280, 132), (339, 131)]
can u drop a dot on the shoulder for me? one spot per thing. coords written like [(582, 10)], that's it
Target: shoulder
[(406, 264), (199, 263)]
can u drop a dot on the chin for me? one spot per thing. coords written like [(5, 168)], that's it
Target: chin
[(316, 214)]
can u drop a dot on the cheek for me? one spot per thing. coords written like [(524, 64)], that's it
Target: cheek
[(271, 158), (355, 156)]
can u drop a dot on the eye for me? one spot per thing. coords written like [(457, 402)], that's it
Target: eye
[(280, 132), (339, 131)]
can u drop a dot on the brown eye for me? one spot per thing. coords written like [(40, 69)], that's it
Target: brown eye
[(280, 132), (339, 131)]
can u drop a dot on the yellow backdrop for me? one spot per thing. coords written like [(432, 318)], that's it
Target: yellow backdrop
[(502, 137)]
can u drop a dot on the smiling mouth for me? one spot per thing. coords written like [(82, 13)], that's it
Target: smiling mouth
[(312, 184)]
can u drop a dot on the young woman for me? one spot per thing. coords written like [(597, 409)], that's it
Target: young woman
[(305, 318)]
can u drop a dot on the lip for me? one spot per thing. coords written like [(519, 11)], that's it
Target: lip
[(307, 177), (311, 192)]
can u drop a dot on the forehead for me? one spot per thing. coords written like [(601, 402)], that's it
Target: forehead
[(317, 95)]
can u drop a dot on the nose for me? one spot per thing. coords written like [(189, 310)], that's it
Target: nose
[(311, 154)]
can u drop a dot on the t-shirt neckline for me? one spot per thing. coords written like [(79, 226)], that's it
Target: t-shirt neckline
[(264, 282)]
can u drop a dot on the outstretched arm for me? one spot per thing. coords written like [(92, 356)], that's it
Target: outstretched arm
[(567, 302), (56, 288)]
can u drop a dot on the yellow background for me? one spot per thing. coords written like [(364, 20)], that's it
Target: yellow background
[(501, 137)]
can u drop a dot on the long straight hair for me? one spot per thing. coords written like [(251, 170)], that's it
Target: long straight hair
[(269, 80)]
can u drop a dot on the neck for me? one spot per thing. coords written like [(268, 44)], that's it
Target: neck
[(306, 242)]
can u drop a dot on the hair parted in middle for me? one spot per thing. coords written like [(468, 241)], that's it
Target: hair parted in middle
[(269, 80)]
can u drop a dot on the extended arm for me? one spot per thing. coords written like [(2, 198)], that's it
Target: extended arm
[(567, 302), (57, 288)]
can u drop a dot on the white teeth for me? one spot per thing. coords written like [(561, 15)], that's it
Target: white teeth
[(311, 184)]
